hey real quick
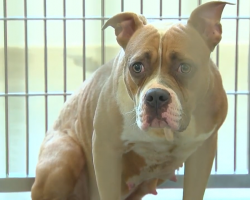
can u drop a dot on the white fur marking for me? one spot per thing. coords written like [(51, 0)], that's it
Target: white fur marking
[(161, 162), (168, 134)]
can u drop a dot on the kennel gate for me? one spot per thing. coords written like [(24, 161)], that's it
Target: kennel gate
[(18, 183)]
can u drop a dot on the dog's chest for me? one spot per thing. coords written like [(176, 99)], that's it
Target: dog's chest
[(150, 160), (151, 156)]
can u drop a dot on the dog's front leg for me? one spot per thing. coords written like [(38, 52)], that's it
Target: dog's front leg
[(108, 167), (198, 168)]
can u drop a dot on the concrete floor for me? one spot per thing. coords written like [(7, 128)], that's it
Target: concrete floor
[(163, 194)]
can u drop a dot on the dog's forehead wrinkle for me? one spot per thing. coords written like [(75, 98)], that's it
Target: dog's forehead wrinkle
[(145, 54), (141, 55), (175, 55), (178, 29)]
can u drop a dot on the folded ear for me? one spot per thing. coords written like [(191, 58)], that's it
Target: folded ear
[(125, 24), (206, 20)]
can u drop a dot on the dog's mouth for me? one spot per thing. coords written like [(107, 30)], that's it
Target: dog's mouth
[(153, 123), (167, 119)]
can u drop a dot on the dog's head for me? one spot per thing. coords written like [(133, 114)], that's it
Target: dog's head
[(167, 69)]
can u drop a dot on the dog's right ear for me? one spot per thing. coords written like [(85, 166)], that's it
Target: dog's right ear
[(125, 24)]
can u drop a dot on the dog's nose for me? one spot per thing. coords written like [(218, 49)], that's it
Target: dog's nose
[(157, 97)]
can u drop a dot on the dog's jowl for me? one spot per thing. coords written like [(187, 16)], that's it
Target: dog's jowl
[(156, 106)]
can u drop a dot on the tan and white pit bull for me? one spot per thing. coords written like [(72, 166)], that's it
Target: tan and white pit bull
[(157, 105)]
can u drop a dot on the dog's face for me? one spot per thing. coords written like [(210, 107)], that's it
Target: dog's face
[(167, 70), (166, 74)]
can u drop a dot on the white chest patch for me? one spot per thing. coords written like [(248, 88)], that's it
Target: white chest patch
[(162, 157)]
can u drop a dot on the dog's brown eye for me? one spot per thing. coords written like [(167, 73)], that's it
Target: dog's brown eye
[(138, 67), (184, 68)]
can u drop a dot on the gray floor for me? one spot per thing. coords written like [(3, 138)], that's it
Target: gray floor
[(163, 194)]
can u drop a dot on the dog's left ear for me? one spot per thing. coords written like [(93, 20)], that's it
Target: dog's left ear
[(206, 20), (125, 24)]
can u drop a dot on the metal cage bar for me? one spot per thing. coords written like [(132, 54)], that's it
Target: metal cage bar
[(6, 87), (26, 86), (45, 63), (249, 105), (236, 85), (141, 6), (161, 8), (102, 33), (64, 51), (101, 18), (216, 153), (84, 43), (20, 94), (122, 5), (179, 10)]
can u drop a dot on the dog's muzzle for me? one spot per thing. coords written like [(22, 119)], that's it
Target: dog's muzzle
[(160, 108)]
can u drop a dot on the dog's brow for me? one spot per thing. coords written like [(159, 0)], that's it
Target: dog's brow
[(175, 55), (145, 55), (179, 56)]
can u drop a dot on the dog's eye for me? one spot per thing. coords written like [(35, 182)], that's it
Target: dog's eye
[(184, 68), (138, 67)]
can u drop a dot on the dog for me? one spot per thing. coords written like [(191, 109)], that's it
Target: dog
[(158, 105)]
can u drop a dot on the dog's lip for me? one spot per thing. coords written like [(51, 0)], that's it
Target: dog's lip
[(154, 123), (158, 123)]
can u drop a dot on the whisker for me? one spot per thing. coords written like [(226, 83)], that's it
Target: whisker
[(133, 121), (129, 112), (133, 125)]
